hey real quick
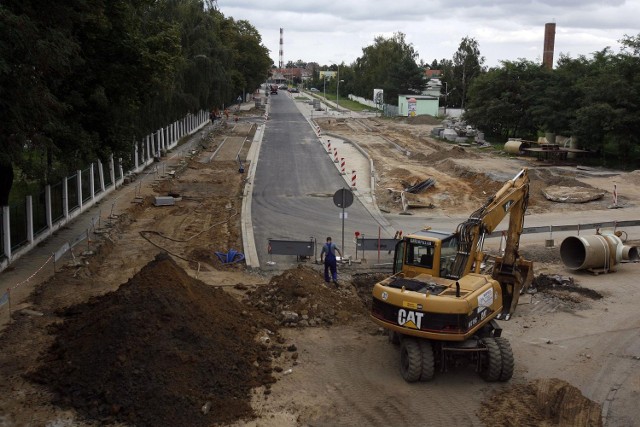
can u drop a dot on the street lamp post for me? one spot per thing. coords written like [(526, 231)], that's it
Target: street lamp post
[(446, 95), (324, 78), (338, 90)]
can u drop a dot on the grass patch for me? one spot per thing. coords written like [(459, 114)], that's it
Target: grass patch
[(344, 103)]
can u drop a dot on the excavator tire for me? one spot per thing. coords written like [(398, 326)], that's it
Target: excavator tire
[(506, 355), (428, 362), (491, 367), (394, 338), (410, 360)]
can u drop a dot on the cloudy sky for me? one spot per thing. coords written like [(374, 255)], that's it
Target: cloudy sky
[(336, 30)]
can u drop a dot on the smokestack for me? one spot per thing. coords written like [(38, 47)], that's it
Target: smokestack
[(549, 45), (281, 63)]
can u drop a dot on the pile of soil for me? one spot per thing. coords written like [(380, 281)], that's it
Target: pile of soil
[(561, 194), (164, 349), (456, 152), (364, 283), (423, 120), (564, 288), (543, 402), (299, 298)]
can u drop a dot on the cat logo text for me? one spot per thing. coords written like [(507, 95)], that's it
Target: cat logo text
[(410, 319)]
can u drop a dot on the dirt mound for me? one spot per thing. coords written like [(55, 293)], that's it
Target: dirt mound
[(156, 351), (455, 152), (543, 402), (563, 288), (561, 194), (423, 120), (299, 297)]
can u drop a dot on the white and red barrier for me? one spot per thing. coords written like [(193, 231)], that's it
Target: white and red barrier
[(329, 146), (353, 180), (342, 164), (335, 155)]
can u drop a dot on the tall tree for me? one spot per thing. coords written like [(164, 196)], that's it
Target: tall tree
[(467, 65), (389, 64)]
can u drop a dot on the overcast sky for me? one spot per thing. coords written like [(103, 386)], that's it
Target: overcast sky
[(337, 30)]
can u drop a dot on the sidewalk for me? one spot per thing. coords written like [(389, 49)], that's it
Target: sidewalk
[(37, 266)]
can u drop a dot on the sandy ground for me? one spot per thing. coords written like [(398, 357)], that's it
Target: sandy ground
[(346, 373)]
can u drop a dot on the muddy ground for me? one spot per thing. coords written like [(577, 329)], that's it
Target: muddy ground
[(155, 330)]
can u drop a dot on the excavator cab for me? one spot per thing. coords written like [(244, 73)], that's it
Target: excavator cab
[(426, 252)]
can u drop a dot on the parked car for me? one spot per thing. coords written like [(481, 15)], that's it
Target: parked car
[(313, 89), (294, 90)]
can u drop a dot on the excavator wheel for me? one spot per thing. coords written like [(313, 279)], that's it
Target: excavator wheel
[(491, 366), (506, 355), (410, 360), (394, 338), (428, 362)]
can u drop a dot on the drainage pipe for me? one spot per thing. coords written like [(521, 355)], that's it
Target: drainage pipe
[(601, 251)]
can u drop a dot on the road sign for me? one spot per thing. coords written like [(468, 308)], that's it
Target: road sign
[(343, 198)]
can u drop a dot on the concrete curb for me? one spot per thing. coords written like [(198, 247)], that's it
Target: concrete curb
[(248, 239)]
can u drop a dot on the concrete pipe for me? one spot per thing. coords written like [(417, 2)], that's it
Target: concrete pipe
[(601, 251), (515, 146)]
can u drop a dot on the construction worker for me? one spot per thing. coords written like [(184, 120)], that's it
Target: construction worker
[(328, 256)]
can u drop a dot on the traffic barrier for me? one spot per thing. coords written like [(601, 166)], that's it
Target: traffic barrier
[(353, 180), (329, 146), (300, 248), (335, 155), (342, 165)]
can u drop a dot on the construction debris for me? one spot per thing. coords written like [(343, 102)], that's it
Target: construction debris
[(561, 194), (421, 186)]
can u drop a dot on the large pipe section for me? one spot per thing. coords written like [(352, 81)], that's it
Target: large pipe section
[(600, 252)]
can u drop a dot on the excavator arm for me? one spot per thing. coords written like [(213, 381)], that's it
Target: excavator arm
[(513, 273)]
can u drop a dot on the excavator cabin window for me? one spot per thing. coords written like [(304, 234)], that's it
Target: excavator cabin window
[(448, 251), (420, 254)]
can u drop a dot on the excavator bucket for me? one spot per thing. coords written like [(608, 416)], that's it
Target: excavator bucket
[(514, 280)]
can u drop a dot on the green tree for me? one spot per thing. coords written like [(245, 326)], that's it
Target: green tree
[(467, 65), (389, 64), (500, 100)]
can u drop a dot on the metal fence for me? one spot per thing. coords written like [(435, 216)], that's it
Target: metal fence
[(30, 221), (57, 202), (107, 176), (72, 193), (97, 185), (18, 220), (86, 184), (39, 205)]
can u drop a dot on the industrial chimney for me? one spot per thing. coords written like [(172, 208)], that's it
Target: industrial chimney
[(549, 45), (281, 59)]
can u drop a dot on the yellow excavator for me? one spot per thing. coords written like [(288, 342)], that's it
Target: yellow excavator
[(440, 308)]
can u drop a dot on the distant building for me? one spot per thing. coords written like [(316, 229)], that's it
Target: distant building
[(432, 74), (418, 105)]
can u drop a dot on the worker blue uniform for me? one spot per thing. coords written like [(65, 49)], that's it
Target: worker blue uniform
[(330, 261)]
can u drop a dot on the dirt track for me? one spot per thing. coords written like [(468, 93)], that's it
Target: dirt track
[(337, 368)]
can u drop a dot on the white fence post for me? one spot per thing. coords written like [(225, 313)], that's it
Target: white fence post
[(65, 197), (92, 181), (29, 205), (48, 207), (79, 186), (112, 171), (6, 227), (101, 175)]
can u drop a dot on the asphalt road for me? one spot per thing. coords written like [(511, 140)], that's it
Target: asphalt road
[(294, 185)]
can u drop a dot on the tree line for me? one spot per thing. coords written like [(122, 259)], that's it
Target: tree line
[(595, 99), (82, 79)]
